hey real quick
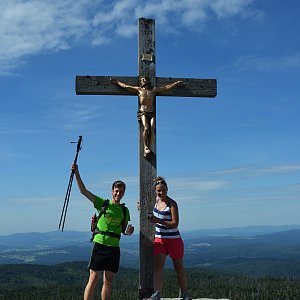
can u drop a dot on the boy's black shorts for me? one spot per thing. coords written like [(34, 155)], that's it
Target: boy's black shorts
[(104, 258)]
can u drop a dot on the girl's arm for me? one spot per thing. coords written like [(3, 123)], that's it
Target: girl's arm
[(174, 214)]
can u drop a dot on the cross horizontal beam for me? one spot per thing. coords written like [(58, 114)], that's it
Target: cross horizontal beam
[(101, 85)]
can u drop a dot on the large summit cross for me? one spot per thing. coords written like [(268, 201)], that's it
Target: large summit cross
[(104, 85)]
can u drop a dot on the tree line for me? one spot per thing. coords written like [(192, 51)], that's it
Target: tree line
[(67, 281)]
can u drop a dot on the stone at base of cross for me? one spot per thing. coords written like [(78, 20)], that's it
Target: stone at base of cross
[(195, 299), (192, 299)]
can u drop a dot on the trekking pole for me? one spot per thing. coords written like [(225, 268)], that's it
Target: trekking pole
[(67, 197)]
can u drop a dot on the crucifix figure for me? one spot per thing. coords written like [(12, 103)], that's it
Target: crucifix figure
[(192, 87), (146, 113)]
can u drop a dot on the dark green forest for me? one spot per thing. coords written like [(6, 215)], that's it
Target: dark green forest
[(67, 281)]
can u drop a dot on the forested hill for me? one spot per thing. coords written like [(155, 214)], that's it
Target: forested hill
[(275, 254), (67, 281)]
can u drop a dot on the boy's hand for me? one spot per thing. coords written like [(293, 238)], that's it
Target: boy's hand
[(74, 168)]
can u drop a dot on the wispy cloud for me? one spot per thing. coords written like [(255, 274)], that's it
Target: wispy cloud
[(279, 169), (191, 13), (243, 184), (9, 124), (197, 184), (256, 63), (31, 27), (81, 115)]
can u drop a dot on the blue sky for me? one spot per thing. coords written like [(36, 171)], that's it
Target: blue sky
[(229, 161)]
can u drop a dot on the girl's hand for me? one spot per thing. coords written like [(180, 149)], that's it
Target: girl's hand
[(151, 218)]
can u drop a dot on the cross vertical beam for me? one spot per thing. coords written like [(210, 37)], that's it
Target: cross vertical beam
[(147, 173), (102, 85)]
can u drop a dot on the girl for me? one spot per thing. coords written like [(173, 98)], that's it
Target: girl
[(167, 240)]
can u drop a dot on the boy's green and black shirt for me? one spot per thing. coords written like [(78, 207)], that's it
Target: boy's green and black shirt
[(110, 221)]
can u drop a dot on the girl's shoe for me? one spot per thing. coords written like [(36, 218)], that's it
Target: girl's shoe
[(155, 296), (184, 295)]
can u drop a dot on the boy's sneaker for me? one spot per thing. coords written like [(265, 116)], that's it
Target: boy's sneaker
[(155, 296), (184, 295)]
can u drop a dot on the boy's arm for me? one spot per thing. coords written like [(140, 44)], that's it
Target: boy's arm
[(81, 185)]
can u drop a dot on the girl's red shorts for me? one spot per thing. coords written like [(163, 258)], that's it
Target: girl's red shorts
[(172, 247)]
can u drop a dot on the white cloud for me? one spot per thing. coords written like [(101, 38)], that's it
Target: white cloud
[(196, 184), (280, 169), (9, 124), (30, 27), (119, 10), (228, 8), (82, 116), (238, 185), (252, 62), (242, 171)]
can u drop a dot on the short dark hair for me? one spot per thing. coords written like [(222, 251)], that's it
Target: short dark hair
[(118, 183)]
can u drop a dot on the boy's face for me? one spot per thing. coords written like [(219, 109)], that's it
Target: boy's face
[(117, 194)]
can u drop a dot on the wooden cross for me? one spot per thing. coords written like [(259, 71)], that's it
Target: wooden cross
[(101, 85)]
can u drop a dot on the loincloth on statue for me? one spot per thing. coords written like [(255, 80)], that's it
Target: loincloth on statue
[(147, 114)]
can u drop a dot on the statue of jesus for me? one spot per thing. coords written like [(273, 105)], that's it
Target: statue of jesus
[(146, 94)]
